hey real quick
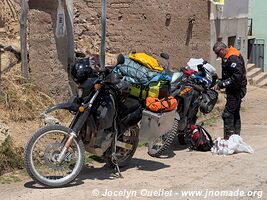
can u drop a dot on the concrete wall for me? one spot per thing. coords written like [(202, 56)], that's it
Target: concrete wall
[(231, 21), (258, 12), (232, 9), (131, 25)]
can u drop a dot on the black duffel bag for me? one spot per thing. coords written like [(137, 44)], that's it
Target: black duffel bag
[(209, 99)]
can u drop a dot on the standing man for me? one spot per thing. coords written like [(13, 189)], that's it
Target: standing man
[(235, 82)]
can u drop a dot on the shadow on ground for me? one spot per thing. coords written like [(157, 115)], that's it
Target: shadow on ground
[(105, 172)]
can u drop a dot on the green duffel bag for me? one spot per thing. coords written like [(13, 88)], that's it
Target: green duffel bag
[(159, 89), (139, 91)]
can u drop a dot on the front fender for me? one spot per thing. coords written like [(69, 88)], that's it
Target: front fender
[(63, 106), (71, 105)]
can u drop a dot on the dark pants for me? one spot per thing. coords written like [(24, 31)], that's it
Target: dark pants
[(231, 115)]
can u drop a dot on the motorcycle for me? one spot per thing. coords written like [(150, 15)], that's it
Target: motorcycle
[(104, 124), (193, 89)]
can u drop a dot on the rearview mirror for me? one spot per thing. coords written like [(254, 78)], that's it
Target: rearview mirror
[(165, 56), (120, 59)]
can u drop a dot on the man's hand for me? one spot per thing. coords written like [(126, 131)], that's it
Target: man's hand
[(219, 85)]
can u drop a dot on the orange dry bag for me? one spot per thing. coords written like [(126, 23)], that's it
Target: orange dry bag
[(161, 105)]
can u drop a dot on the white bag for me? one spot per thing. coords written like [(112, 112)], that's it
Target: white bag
[(235, 144)]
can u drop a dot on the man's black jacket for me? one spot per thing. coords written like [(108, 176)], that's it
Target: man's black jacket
[(234, 72)]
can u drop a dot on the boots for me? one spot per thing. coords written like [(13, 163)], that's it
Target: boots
[(227, 134)]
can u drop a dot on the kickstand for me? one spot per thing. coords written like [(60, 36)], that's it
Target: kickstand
[(114, 160)]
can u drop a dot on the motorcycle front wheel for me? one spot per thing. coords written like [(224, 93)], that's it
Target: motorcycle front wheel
[(42, 151)]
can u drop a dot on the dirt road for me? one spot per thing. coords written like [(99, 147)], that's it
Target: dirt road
[(212, 177)]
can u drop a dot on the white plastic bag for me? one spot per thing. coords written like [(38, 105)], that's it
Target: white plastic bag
[(235, 144), (240, 145)]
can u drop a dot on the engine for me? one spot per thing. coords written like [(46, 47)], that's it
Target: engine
[(99, 130)]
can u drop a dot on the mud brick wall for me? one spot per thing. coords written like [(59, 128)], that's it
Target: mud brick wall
[(144, 26), (151, 26)]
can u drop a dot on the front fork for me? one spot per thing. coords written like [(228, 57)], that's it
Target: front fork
[(66, 147), (77, 126)]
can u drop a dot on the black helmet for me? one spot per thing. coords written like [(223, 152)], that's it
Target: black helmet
[(81, 70)]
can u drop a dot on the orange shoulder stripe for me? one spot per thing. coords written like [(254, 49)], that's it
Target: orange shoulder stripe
[(232, 52)]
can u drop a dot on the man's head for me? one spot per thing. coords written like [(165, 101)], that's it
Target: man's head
[(220, 49)]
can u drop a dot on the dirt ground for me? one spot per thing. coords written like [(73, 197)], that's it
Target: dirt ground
[(171, 178)]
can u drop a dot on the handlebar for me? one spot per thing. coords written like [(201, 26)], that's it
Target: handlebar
[(189, 82), (197, 87)]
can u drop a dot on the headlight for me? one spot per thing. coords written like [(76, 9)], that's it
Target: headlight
[(97, 86)]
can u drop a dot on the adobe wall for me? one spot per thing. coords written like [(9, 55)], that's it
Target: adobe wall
[(151, 26)]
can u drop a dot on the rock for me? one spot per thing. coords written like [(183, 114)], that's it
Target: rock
[(4, 132), (50, 120)]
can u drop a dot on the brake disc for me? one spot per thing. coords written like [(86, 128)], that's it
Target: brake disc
[(51, 155)]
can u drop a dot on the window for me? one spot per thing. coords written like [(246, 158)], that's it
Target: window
[(219, 39), (231, 41)]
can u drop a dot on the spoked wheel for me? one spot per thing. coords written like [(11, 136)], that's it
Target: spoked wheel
[(123, 155), (159, 146), (42, 153)]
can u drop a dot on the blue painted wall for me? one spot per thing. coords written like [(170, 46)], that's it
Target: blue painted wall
[(258, 12)]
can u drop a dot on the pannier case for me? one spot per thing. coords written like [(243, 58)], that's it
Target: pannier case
[(154, 125)]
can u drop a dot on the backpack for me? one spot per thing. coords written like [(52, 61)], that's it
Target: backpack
[(200, 139), (147, 61), (161, 105)]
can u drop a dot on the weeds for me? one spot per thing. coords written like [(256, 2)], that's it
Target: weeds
[(9, 179), (211, 118), (14, 176), (142, 144), (20, 99), (10, 157)]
